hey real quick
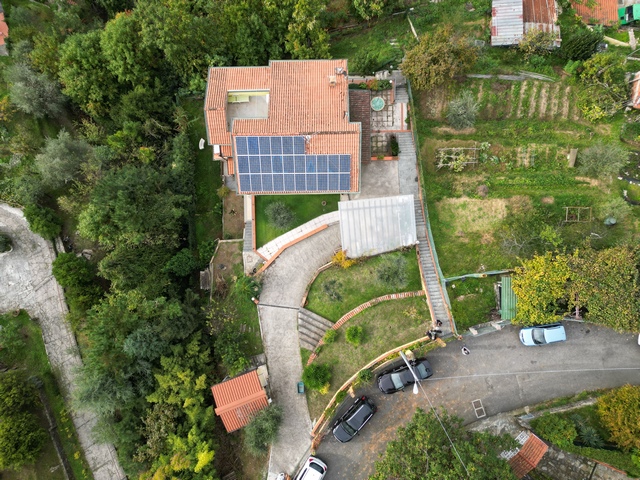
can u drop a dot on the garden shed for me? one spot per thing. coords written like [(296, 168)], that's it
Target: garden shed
[(239, 399), (377, 225)]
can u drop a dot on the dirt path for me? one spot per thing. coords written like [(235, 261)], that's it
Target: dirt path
[(565, 103), (26, 283), (533, 98), (555, 93), (523, 89), (543, 102)]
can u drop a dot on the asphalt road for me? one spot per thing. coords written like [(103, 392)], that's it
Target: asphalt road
[(502, 373)]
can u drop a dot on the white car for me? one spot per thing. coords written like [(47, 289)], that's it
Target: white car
[(542, 334), (313, 469)]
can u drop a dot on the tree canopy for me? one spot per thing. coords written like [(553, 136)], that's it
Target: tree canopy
[(421, 451)]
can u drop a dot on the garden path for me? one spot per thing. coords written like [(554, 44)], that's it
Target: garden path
[(284, 285), (26, 282)]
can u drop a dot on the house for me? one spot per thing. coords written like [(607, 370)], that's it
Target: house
[(239, 399), (528, 457), (599, 12), (4, 33), (511, 19), (284, 128)]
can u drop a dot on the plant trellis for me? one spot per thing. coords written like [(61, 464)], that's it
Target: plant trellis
[(456, 158)]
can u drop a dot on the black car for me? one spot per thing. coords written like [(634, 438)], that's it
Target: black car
[(349, 424), (395, 379)]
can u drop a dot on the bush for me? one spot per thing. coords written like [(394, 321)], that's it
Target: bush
[(279, 215), (392, 271), (395, 147), (581, 43), (5, 243), (229, 347), (206, 250), (619, 411), (43, 221), (341, 259), (602, 160), (536, 42), (247, 287), (330, 336), (365, 375), (462, 111), (555, 429), (365, 62), (262, 430), (223, 191), (355, 335), (572, 66), (317, 376), (615, 207)]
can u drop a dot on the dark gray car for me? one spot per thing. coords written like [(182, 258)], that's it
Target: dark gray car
[(395, 379), (349, 424)]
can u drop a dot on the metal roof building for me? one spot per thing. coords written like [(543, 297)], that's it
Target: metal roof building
[(377, 225), (508, 299), (507, 22)]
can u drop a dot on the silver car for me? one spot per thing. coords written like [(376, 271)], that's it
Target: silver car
[(313, 469), (542, 334)]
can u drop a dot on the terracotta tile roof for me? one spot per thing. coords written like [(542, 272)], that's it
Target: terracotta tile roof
[(4, 28), (360, 111), (239, 399), (302, 101), (529, 456), (603, 12)]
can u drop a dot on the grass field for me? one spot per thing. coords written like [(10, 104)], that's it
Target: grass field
[(208, 215), (34, 360), (469, 298), (304, 208), (336, 291), (386, 325)]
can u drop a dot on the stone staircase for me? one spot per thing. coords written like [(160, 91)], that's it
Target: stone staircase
[(439, 309), (402, 96), (311, 328)]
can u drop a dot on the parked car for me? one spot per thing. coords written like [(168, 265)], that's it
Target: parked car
[(542, 334), (313, 469), (396, 379), (349, 424)]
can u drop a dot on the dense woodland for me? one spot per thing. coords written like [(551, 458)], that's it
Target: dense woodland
[(95, 140)]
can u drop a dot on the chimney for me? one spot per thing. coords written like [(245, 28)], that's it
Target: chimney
[(333, 80)]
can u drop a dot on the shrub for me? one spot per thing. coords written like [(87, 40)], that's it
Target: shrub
[(247, 287), (536, 42), (341, 259), (365, 62), (182, 263), (572, 66), (615, 207), (279, 215), (619, 411), (555, 429), (395, 147), (5, 243), (229, 347), (365, 375), (262, 430), (330, 336), (355, 335), (223, 191), (332, 289), (462, 111), (317, 376), (602, 160), (392, 271), (580, 44), (206, 250), (43, 221)]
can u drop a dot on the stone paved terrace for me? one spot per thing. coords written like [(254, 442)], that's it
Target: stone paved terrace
[(26, 282)]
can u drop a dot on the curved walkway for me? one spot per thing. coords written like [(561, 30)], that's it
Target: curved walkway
[(284, 285), (26, 283)]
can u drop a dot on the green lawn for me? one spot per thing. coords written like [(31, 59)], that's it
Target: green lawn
[(386, 326), (304, 207), (336, 291), (208, 215), (471, 301), (34, 360)]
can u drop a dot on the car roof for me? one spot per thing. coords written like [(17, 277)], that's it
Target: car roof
[(554, 333), (360, 415)]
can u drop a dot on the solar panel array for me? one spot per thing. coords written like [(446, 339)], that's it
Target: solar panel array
[(279, 164)]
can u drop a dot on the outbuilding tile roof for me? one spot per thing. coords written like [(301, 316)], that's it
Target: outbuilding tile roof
[(239, 399), (529, 456), (602, 12), (302, 101), (4, 28)]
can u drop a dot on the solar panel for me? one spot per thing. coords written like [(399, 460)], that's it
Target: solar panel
[(279, 164)]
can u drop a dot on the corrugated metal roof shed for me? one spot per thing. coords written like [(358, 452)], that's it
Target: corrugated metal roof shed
[(507, 24), (508, 300), (377, 225), (239, 399)]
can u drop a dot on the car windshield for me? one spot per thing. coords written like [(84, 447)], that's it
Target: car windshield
[(347, 428), (397, 381), (538, 336), (422, 371), (316, 467)]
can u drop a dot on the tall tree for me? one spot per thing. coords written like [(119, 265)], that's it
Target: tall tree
[(438, 58), (619, 411), (84, 73), (306, 38), (32, 92), (60, 159), (538, 284), (422, 451)]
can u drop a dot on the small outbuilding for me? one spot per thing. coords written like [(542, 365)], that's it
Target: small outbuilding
[(239, 399), (511, 19)]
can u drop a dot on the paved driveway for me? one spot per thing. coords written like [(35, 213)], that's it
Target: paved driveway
[(501, 372)]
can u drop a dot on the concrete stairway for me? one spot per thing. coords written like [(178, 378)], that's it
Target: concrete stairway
[(402, 96), (434, 293), (311, 328)]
